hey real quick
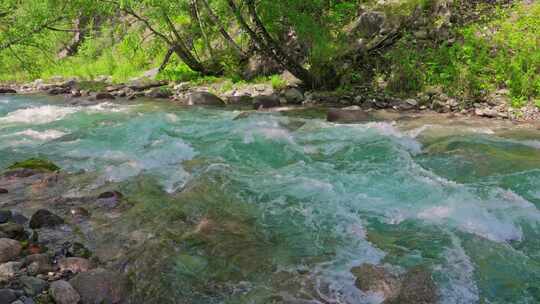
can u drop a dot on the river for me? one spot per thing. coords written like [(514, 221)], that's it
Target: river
[(277, 208)]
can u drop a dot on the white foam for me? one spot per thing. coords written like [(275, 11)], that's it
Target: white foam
[(41, 135), (38, 115)]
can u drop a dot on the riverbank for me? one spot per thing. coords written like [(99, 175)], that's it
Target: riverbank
[(266, 95)]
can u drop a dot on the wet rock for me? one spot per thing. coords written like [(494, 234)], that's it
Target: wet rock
[(79, 213), (58, 90), (9, 249), (12, 231), (376, 279), (417, 287), (9, 270), (204, 98), (18, 218), (104, 96), (32, 286), (36, 164), (7, 296), (63, 293), (266, 102), (45, 218), (347, 115), (5, 216), (7, 91), (111, 194), (100, 286), (74, 264), (293, 96), (3, 191)]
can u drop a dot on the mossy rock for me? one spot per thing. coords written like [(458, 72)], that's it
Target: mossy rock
[(35, 164)]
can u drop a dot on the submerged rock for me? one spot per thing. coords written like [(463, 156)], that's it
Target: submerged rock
[(417, 288), (35, 164), (376, 279), (3, 191), (9, 249), (63, 293), (45, 218), (100, 286), (204, 98), (347, 115)]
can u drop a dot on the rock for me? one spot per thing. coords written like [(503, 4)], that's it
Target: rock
[(74, 264), (7, 296), (159, 92), (77, 250), (240, 100), (38, 264), (63, 293), (143, 84), (7, 91), (3, 191), (417, 287), (35, 164), (293, 96), (9, 249), (58, 90), (266, 102), (79, 212), (100, 286), (32, 286), (486, 112), (12, 231), (9, 270), (104, 95), (204, 98), (45, 218), (376, 279), (347, 116), (5, 216), (369, 24)]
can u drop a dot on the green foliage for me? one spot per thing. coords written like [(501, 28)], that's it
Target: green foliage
[(499, 53), (278, 83)]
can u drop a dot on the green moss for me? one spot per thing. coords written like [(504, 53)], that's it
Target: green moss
[(35, 164)]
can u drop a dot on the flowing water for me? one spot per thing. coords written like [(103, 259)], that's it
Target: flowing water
[(274, 208)]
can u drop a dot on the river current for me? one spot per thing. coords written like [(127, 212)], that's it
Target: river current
[(277, 208)]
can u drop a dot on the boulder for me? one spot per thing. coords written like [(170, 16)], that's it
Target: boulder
[(104, 96), (9, 270), (45, 218), (12, 231), (38, 264), (293, 96), (9, 249), (7, 295), (266, 102), (204, 98), (5, 216), (368, 24), (100, 286), (143, 84), (63, 293), (347, 115), (240, 100), (32, 286), (74, 264), (7, 91)]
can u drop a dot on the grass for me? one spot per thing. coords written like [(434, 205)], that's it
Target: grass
[(500, 53)]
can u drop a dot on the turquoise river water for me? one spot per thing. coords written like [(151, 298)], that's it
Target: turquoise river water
[(277, 208)]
